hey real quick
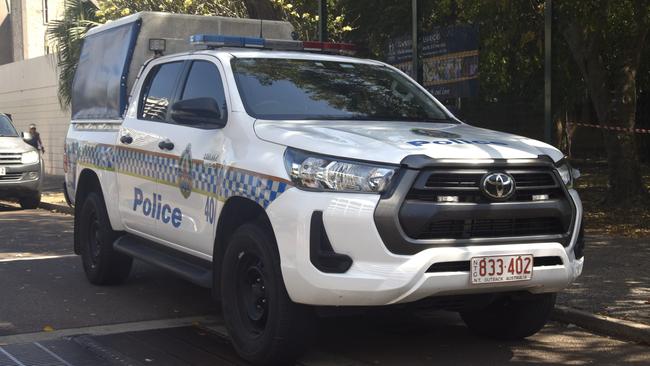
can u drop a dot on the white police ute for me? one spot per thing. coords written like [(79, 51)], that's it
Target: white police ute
[(286, 176)]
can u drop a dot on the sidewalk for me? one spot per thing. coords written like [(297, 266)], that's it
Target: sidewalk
[(615, 281), (52, 196)]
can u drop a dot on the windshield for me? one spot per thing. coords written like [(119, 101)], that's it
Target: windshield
[(313, 89), (6, 128)]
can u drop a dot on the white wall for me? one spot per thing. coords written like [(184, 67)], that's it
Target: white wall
[(34, 38), (28, 91)]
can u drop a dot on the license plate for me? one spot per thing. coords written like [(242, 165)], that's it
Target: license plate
[(3, 171), (506, 268)]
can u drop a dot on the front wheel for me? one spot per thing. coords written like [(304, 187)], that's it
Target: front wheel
[(30, 202), (266, 327), (511, 317), (103, 265)]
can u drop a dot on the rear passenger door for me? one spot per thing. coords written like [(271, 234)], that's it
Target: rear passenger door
[(142, 164), (198, 149)]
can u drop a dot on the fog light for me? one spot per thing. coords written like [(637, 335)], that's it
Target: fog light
[(540, 197), (447, 198), (32, 175)]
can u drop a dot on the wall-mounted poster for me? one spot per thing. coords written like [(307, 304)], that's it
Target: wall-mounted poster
[(450, 61), (399, 53)]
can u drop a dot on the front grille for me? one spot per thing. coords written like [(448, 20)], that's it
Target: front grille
[(448, 205), (465, 184), (492, 228), (464, 266), (11, 177), (534, 180), (10, 159), (453, 181)]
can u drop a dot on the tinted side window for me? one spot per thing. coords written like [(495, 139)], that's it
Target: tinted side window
[(204, 81), (158, 90)]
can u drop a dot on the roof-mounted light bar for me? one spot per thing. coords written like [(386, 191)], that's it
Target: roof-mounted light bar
[(209, 41)]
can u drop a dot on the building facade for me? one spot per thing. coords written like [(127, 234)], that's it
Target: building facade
[(23, 24)]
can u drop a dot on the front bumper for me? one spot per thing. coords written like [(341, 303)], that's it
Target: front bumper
[(379, 277), (21, 181)]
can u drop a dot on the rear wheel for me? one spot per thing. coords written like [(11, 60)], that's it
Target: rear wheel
[(103, 265), (511, 317), (30, 202), (266, 327)]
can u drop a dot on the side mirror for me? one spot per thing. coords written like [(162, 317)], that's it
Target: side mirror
[(198, 111), (26, 136)]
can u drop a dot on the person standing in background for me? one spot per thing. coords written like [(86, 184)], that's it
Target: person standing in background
[(36, 139)]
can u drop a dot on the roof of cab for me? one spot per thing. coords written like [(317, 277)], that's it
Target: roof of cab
[(236, 52)]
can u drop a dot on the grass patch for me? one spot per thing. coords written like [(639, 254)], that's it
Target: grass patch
[(601, 219)]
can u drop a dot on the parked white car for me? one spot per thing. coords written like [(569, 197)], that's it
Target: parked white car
[(21, 168)]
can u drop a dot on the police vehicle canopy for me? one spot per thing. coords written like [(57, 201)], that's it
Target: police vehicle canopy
[(112, 54)]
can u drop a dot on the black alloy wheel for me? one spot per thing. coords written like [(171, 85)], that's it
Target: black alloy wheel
[(102, 265), (265, 326)]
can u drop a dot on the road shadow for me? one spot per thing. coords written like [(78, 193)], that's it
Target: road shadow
[(440, 338), (28, 233)]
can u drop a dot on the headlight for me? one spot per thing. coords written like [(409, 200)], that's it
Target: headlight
[(30, 157), (313, 172), (567, 173)]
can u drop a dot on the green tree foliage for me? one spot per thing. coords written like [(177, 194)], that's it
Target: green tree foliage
[(114, 9), (65, 37), (303, 14), (511, 37), (607, 40)]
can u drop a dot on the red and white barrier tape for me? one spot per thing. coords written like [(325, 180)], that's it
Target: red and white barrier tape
[(612, 128)]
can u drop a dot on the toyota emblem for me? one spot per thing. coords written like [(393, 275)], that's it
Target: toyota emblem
[(498, 186)]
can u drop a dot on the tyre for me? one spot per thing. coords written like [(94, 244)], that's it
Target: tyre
[(30, 202), (266, 327), (103, 265), (511, 317)]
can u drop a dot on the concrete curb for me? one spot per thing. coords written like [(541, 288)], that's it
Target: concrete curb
[(617, 328), (57, 208)]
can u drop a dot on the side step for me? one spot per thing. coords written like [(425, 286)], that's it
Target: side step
[(195, 270)]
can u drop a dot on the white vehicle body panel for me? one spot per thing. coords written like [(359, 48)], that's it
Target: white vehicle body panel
[(101, 138)]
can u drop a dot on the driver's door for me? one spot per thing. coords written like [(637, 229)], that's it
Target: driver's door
[(197, 149)]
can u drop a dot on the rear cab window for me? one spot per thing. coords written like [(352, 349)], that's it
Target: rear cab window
[(158, 91)]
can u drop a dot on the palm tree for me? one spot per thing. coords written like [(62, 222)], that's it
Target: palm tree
[(65, 36)]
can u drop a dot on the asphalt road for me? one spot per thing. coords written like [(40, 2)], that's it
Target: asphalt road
[(42, 287)]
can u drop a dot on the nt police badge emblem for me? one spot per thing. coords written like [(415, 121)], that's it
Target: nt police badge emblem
[(185, 172)]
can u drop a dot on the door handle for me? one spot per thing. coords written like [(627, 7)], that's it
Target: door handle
[(126, 139), (166, 145)]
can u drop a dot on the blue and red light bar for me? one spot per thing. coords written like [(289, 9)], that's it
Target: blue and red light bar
[(214, 41)]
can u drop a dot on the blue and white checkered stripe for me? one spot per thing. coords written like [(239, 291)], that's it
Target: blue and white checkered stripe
[(160, 168), (259, 189), (100, 156), (222, 182)]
